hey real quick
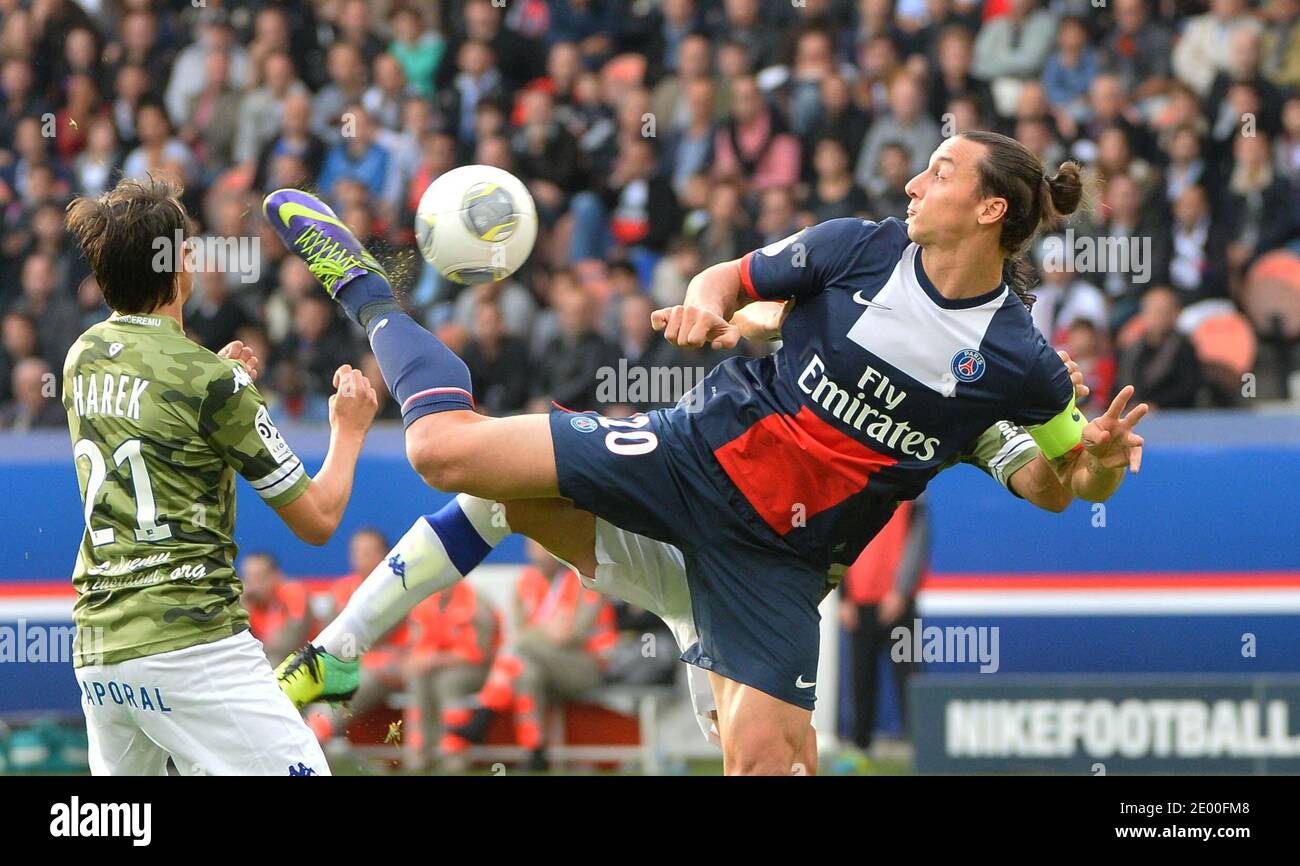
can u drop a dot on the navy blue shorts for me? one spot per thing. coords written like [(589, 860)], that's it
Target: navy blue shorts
[(755, 604)]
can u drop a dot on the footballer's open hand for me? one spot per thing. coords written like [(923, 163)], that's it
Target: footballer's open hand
[(693, 327), (354, 405), (1109, 439), (237, 351)]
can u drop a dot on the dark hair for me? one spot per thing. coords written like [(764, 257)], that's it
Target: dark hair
[(119, 232), (1012, 171)]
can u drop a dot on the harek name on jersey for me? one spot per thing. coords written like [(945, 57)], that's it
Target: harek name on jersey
[(160, 426)]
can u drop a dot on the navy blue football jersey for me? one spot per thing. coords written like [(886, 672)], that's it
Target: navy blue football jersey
[(879, 382)]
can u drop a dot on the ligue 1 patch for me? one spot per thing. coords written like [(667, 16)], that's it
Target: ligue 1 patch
[(583, 423), (270, 436), (114, 349), (968, 365)]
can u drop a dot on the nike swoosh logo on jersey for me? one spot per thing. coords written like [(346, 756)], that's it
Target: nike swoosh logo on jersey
[(800, 684), (867, 302)]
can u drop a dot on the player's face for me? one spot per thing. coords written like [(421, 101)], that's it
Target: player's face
[(365, 552), (946, 206)]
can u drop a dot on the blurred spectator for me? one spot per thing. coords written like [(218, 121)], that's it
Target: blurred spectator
[(955, 79), (1064, 296), (215, 51), (212, 114), (753, 146), (879, 594), (635, 208), (839, 118), (1085, 341), (1198, 267), (261, 112), (454, 636), (18, 342), (835, 194), (647, 351), (35, 400), (212, 317), (159, 149), (383, 666), (498, 362), (360, 157), (906, 125), (419, 49), (1204, 47), (279, 613), (1161, 363), (1013, 47), (1069, 71), (347, 86), (1138, 49), (560, 637), (1129, 251), (567, 369), (43, 301), (294, 140), (1260, 204)]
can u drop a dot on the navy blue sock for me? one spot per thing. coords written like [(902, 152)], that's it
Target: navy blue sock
[(365, 295), (422, 374)]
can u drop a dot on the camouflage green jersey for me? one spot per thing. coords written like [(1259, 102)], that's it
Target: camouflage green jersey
[(160, 426)]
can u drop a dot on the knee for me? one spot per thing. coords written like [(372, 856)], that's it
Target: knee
[(758, 758), (436, 459)]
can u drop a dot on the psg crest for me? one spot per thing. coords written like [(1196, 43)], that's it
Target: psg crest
[(967, 365)]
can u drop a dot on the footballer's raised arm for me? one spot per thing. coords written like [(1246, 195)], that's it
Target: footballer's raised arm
[(236, 422), (800, 265), (315, 515)]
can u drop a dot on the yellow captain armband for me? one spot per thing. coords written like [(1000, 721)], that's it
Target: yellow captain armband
[(1061, 434)]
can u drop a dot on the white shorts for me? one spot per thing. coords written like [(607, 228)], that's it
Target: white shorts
[(652, 575), (214, 709)]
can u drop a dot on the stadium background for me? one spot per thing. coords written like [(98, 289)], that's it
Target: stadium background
[(625, 119)]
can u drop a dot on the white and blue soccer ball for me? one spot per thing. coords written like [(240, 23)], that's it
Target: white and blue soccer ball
[(476, 224)]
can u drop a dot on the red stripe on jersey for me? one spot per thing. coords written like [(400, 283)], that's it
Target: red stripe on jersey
[(745, 279), (790, 467)]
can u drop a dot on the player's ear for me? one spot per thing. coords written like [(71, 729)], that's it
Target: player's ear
[(992, 210)]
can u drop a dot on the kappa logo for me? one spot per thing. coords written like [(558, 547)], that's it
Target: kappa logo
[(583, 423), (242, 379), (398, 567), (114, 350), (301, 770)]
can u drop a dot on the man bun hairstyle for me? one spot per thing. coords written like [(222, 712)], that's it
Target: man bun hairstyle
[(1035, 201), (119, 233)]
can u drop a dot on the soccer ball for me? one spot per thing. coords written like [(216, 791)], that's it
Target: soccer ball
[(476, 224)]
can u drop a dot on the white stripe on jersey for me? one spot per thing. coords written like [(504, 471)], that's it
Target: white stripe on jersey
[(915, 335), (279, 480), (1014, 447)]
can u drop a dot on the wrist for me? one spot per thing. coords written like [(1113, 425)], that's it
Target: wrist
[(347, 438)]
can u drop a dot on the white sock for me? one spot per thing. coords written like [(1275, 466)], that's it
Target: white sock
[(438, 550)]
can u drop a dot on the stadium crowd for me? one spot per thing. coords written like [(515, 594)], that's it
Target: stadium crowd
[(657, 137)]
